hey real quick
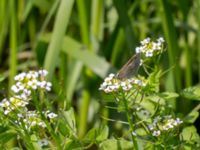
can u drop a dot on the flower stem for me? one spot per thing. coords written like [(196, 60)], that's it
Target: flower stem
[(130, 123)]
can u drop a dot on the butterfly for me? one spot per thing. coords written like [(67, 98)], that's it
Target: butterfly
[(130, 69)]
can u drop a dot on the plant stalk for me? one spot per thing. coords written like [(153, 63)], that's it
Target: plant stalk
[(130, 123)]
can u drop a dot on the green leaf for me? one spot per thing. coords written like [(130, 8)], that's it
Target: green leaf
[(169, 95), (192, 93), (73, 78), (97, 134), (125, 22), (78, 51), (190, 134), (70, 121), (2, 77), (6, 136), (153, 81), (155, 99), (72, 145), (61, 23), (113, 144), (191, 117)]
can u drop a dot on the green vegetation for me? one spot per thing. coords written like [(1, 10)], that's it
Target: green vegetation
[(80, 43)]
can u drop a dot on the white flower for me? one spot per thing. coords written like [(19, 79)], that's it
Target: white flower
[(20, 115), (20, 76), (156, 133), (123, 84), (43, 142), (179, 121), (44, 85), (149, 54), (43, 72), (42, 124), (33, 84), (134, 133), (151, 127), (32, 75), (148, 47), (138, 49), (25, 94), (7, 111), (145, 41), (4, 103), (52, 115), (111, 75), (161, 40), (15, 89)]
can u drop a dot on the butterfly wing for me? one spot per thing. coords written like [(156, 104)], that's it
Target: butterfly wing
[(130, 68)]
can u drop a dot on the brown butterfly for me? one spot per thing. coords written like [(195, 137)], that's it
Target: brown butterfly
[(130, 68)]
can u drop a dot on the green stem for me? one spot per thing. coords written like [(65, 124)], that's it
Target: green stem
[(130, 122), (198, 35), (13, 43)]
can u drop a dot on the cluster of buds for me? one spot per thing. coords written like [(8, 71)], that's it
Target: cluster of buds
[(151, 48), (113, 84)]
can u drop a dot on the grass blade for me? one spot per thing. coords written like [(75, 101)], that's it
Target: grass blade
[(62, 20), (13, 42)]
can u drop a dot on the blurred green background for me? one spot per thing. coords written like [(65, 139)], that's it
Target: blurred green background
[(80, 41)]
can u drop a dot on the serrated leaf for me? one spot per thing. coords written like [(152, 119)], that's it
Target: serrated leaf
[(192, 93)]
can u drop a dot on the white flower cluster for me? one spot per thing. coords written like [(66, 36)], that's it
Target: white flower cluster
[(26, 83), (163, 124), (32, 119), (149, 48), (113, 84), (13, 103)]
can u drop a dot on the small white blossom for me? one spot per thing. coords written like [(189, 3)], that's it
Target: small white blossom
[(145, 41), (15, 89), (20, 76), (52, 115), (149, 48), (149, 54), (43, 142), (32, 74), (138, 49), (134, 133), (4, 103), (161, 40), (178, 121), (113, 84), (111, 75), (156, 133), (43, 72), (151, 127)]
